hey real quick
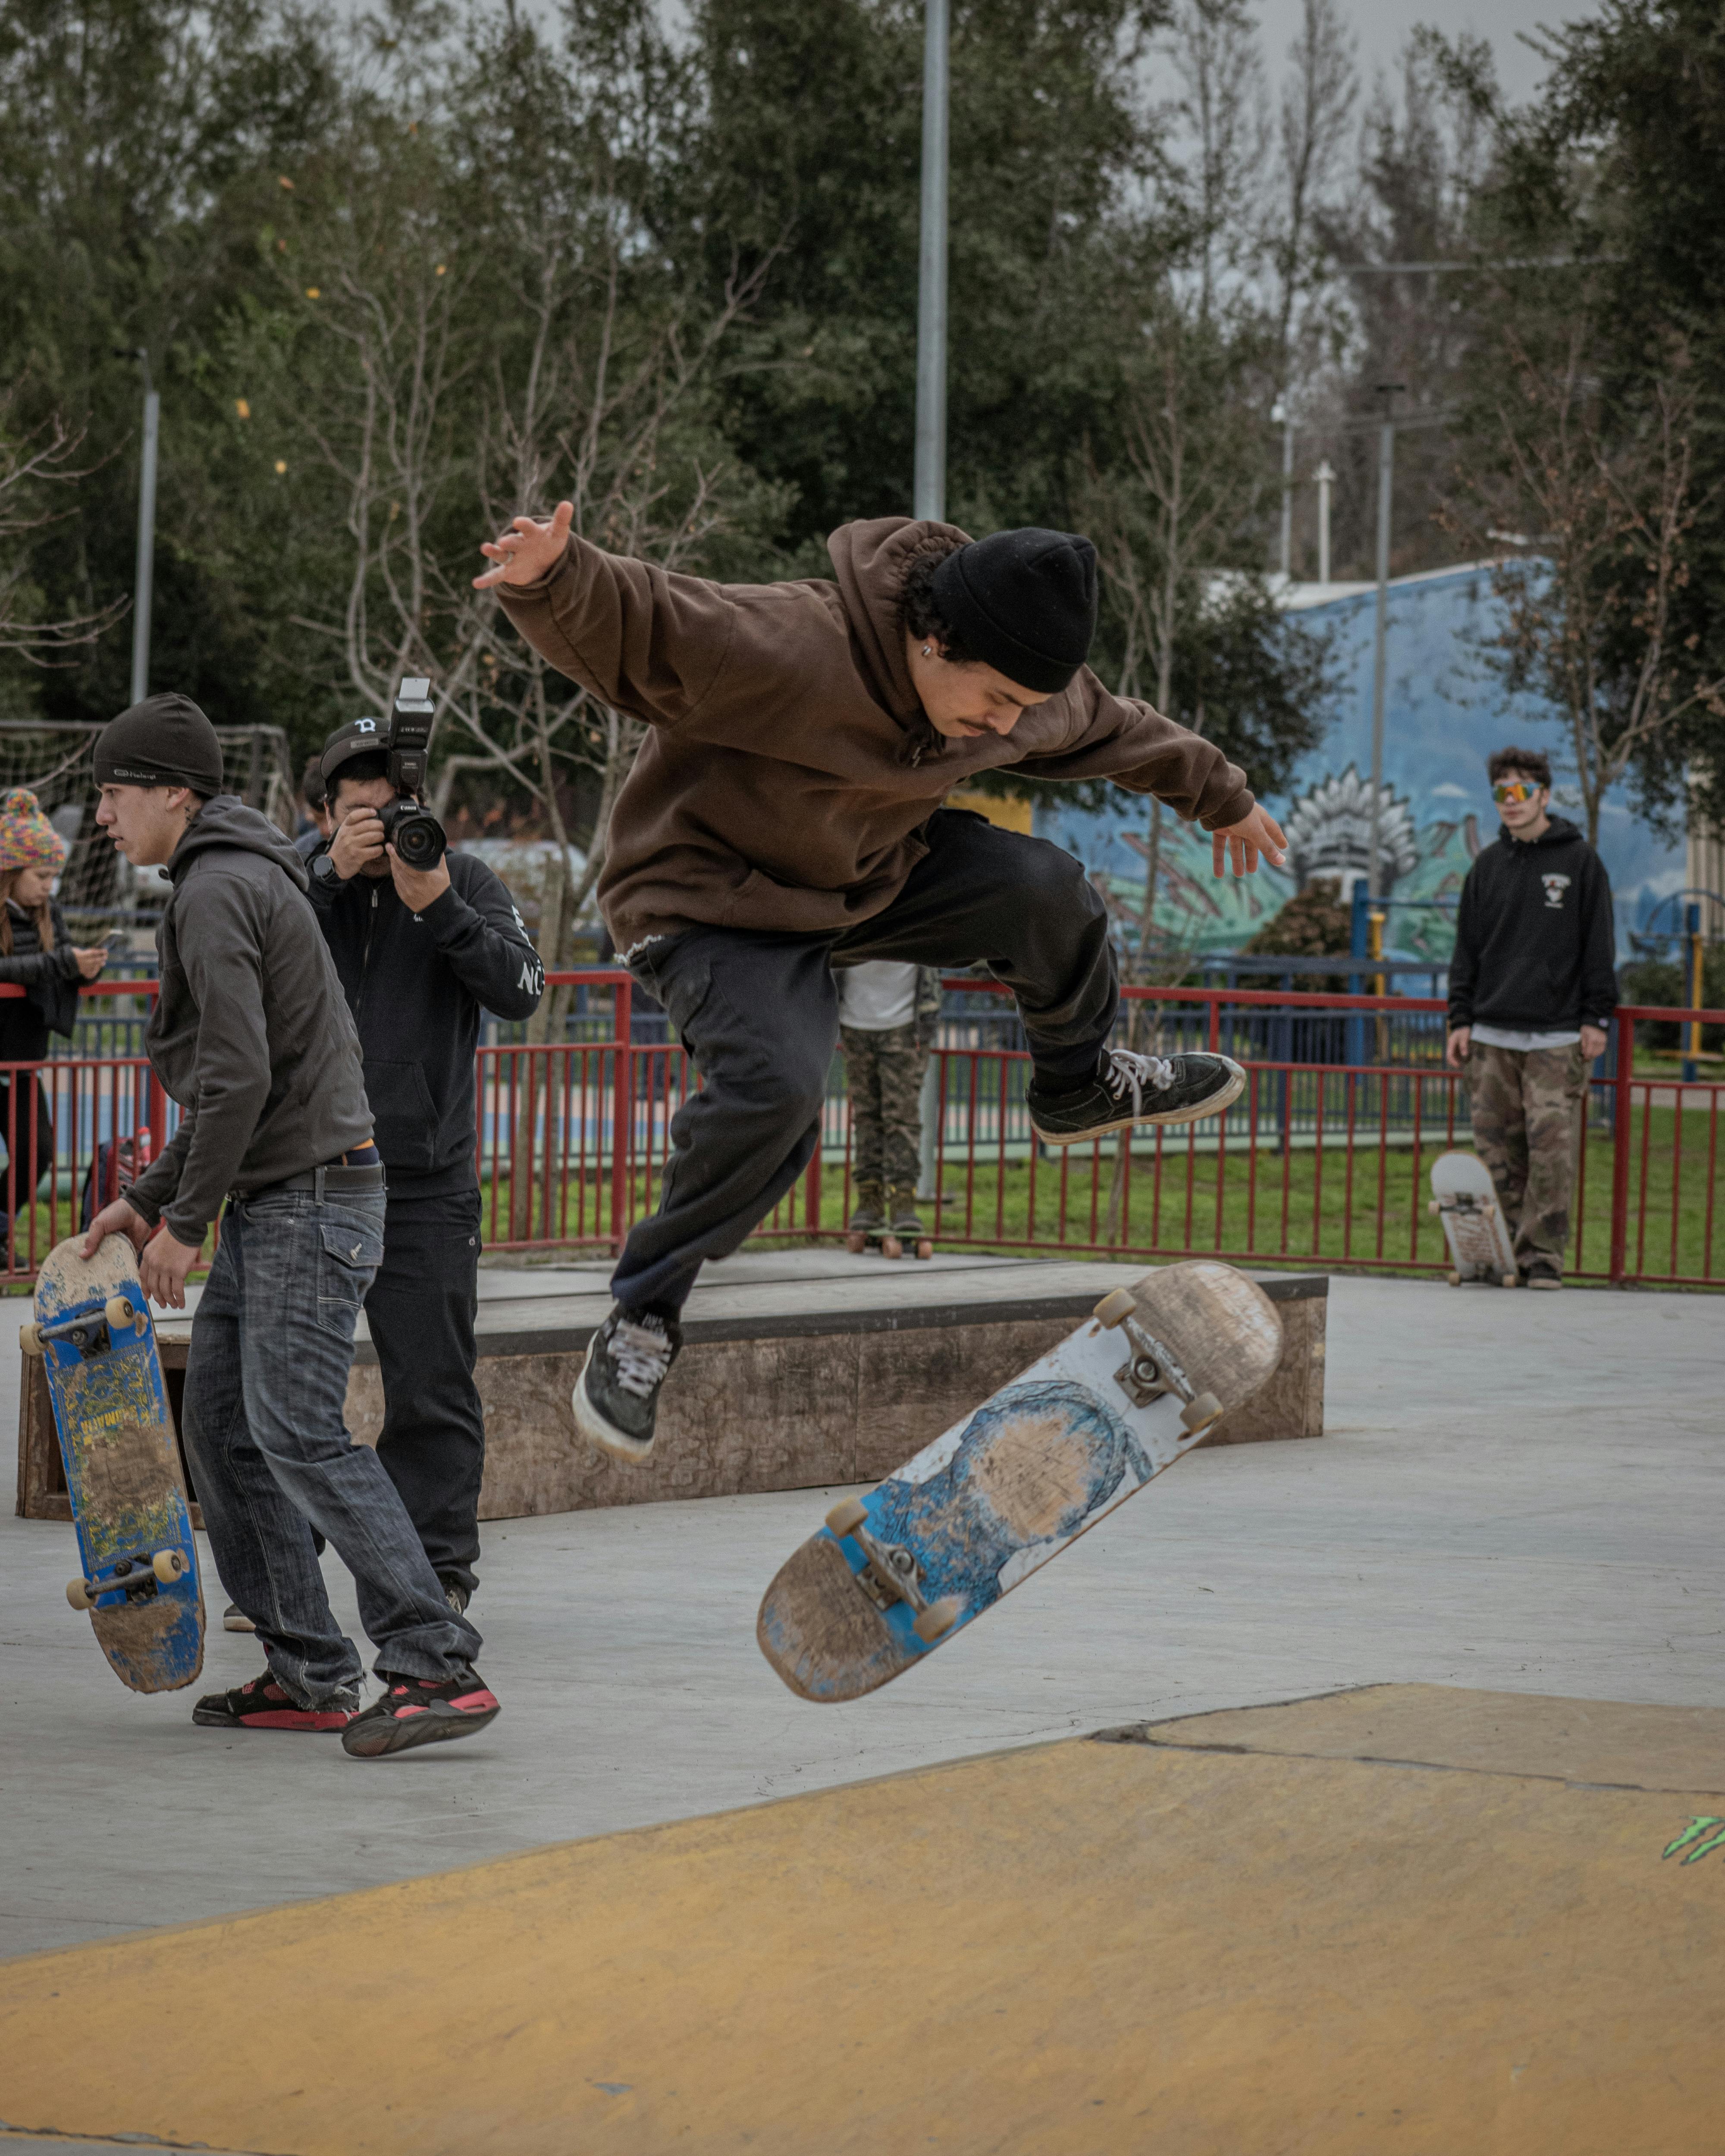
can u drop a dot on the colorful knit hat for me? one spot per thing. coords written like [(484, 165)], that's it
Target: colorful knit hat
[(28, 840)]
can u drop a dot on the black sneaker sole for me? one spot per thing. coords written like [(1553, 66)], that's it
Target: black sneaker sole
[(1224, 1097), (595, 1428), (437, 1725)]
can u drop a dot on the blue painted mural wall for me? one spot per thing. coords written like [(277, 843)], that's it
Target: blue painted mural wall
[(1444, 713)]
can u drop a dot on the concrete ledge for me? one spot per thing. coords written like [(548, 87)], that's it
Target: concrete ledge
[(1208, 1941), (800, 1369)]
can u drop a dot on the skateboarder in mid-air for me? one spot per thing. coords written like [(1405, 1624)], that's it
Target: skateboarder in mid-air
[(783, 818)]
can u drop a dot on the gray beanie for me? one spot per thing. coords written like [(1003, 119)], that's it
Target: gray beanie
[(165, 740)]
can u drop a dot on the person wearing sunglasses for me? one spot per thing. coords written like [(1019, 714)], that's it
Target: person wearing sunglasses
[(1532, 987)]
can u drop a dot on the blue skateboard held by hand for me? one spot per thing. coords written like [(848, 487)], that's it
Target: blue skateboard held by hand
[(893, 1574), (111, 1413)]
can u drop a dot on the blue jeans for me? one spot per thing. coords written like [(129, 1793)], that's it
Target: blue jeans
[(266, 1383)]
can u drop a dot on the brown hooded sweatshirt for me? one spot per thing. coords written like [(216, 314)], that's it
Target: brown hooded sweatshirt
[(790, 770)]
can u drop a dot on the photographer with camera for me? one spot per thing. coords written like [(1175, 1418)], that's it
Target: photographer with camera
[(424, 940)]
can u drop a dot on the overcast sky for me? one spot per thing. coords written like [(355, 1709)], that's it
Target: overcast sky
[(1382, 27)]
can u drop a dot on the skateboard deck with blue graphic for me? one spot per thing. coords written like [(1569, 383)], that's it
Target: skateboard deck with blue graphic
[(893, 1575), (111, 1413)]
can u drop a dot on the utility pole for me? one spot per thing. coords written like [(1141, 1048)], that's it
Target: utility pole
[(931, 481), (930, 498), (1388, 392), (146, 537), (1281, 417), (1326, 479)]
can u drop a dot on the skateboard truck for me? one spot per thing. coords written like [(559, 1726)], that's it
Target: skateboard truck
[(890, 1574), (87, 1333), (138, 1576), (1151, 1370)]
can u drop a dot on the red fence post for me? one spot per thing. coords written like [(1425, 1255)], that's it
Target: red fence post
[(623, 1108), (1622, 1067)]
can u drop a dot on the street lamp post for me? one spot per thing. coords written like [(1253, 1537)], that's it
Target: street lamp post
[(1326, 479), (1281, 417), (143, 596), (930, 480), (1386, 479)]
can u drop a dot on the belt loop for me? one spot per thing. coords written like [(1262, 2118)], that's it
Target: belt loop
[(317, 1186)]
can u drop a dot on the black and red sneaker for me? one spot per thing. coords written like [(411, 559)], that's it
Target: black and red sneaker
[(261, 1703), (421, 1711)]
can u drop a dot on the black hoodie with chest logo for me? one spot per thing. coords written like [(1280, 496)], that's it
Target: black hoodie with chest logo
[(1535, 944)]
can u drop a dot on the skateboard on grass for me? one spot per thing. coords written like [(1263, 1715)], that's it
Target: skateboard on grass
[(893, 1574), (1464, 1198), (111, 1413)]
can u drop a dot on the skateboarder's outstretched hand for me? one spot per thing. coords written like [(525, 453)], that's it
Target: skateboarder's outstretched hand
[(116, 1220), (527, 550), (1257, 834)]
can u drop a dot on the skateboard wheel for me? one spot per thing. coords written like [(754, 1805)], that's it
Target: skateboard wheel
[(1454, 1279), (1433, 1206), (848, 1513), (1509, 1280), (1199, 1413), (925, 1249), (120, 1310), (78, 1595), (938, 1618), (856, 1244), (29, 1338), (890, 1247), (1113, 1308), (168, 1566)]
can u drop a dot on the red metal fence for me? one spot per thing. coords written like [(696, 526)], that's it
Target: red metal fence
[(1324, 1161)]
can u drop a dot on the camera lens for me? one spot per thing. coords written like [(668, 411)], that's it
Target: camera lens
[(415, 834)]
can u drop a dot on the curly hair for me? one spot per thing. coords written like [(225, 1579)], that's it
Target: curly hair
[(1530, 762), (918, 615)]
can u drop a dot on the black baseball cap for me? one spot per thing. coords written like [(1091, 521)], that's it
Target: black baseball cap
[(358, 738)]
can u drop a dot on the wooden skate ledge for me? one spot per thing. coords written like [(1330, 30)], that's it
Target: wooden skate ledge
[(801, 1370)]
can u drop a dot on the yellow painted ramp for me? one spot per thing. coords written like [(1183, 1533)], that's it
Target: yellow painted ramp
[(1409, 1919)]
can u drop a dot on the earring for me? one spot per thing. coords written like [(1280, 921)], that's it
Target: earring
[(928, 651)]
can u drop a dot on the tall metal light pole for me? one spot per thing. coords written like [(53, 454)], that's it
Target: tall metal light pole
[(1326, 479), (930, 484), (1386, 480), (146, 539), (1280, 416)]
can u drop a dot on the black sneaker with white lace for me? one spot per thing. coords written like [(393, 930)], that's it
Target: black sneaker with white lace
[(1129, 1088), (616, 1398)]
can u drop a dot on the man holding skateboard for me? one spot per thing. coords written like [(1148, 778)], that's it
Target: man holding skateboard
[(250, 1033), (784, 817), (1533, 987)]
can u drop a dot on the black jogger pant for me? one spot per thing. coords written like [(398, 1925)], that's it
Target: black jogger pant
[(420, 1311), (759, 1013)]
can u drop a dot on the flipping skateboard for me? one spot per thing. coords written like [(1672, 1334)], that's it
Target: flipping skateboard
[(1464, 1199), (110, 1412), (893, 1574)]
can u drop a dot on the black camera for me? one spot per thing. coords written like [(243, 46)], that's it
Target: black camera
[(414, 832)]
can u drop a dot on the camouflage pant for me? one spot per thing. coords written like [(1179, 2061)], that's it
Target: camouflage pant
[(1527, 1122), (884, 1071)]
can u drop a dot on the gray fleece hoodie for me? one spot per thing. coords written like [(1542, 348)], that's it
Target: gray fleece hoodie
[(251, 1032)]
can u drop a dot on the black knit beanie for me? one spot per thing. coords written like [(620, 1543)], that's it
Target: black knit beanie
[(165, 740), (1024, 602)]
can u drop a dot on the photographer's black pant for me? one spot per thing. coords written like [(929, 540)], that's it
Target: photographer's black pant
[(420, 1311), (758, 1014)]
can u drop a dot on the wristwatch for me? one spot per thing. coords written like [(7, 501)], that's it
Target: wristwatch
[(324, 867)]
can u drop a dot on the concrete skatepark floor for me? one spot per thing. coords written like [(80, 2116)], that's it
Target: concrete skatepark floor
[(1515, 1493)]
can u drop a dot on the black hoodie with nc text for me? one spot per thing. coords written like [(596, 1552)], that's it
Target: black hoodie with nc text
[(1535, 945)]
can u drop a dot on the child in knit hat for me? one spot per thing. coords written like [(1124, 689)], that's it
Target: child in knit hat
[(37, 955)]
